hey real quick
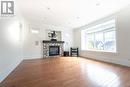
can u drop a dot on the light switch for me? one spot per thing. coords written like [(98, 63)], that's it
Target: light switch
[(36, 43)]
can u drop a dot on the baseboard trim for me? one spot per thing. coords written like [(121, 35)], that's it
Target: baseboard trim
[(106, 61), (7, 72)]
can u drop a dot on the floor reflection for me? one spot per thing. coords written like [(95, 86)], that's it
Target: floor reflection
[(100, 76)]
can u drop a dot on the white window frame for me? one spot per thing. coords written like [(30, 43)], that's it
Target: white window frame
[(96, 29)]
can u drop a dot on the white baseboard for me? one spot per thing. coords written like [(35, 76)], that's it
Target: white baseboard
[(7, 71), (114, 61)]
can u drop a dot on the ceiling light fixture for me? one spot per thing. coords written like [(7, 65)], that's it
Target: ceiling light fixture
[(78, 17), (97, 4), (48, 8)]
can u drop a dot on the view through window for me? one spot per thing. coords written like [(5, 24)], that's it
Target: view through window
[(101, 37)]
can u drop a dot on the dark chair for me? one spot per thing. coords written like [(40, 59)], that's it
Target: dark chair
[(74, 52)]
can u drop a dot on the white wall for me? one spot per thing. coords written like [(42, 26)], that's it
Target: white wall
[(11, 41), (32, 51), (123, 33), (10, 45)]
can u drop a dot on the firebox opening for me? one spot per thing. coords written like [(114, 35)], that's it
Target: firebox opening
[(54, 50)]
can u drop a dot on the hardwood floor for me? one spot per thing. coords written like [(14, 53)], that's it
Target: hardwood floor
[(67, 72)]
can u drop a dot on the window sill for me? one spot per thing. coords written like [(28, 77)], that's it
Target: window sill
[(101, 51)]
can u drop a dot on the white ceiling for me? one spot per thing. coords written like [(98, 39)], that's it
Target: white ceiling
[(68, 13)]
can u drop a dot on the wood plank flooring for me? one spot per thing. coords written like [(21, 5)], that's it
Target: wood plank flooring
[(67, 72)]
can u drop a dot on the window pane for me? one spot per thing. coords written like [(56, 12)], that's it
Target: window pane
[(99, 43), (90, 41), (110, 44), (100, 37)]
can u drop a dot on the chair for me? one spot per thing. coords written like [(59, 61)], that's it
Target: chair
[(74, 52)]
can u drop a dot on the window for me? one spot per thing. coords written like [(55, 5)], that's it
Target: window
[(101, 37)]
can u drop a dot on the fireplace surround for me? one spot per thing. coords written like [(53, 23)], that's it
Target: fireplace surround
[(52, 48)]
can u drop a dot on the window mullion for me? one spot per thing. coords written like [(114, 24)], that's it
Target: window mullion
[(94, 40), (103, 40)]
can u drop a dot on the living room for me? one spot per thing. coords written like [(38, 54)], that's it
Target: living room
[(65, 43)]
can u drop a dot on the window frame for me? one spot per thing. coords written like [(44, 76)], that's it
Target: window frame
[(113, 28)]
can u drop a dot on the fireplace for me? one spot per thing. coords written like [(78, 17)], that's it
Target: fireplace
[(54, 50)]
